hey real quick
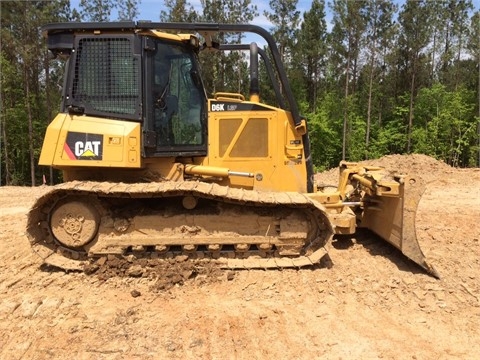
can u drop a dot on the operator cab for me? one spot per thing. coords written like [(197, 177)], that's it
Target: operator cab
[(149, 77)]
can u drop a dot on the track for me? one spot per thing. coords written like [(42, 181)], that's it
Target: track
[(237, 228)]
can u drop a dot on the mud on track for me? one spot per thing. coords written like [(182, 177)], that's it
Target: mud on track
[(365, 301)]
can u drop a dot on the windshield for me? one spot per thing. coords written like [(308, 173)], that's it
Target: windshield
[(178, 102)]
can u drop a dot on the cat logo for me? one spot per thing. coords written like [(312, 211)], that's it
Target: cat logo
[(87, 148), (82, 146)]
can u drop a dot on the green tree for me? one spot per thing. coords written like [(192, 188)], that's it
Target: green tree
[(415, 36), (453, 16), (448, 124), (473, 47), (96, 10), (128, 9), (348, 29), (25, 81), (285, 19), (313, 50), (325, 130), (226, 72), (379, 19), (178, 11)]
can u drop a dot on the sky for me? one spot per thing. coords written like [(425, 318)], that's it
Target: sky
[(150, 9)]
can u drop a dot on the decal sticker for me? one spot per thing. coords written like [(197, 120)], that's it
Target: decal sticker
[(82, 146), (218, 107), (235, 106)]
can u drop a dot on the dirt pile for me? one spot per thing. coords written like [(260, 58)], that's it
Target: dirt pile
[(165, 273), (415, 165)]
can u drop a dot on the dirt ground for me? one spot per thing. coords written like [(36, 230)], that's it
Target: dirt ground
[(370, 302)]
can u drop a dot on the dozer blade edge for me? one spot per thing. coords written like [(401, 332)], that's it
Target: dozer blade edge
[(393, 219)]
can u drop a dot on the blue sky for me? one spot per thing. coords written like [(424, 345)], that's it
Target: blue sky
[(150, 9)]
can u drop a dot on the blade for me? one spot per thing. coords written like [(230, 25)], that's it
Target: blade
[(393, 219)]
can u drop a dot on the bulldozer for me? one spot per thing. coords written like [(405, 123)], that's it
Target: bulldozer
[(154, 167)]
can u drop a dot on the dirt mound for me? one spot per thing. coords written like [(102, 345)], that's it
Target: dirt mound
[(167, 273), (415, 165)]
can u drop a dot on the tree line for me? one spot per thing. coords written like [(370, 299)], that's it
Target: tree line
[(373, 77)]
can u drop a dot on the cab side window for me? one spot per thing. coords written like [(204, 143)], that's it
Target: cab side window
[(177, 100)]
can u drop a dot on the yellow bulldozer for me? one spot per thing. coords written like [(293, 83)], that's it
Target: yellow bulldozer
[(152, 166)]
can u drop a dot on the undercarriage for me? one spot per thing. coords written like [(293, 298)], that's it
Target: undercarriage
[(78, 221)]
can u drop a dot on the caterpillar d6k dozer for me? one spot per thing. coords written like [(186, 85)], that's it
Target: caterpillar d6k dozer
[(154, 167)]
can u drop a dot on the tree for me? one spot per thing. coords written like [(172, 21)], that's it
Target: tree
[(24, 82), (178, 11), (453, 16), (96, 10), (348, 28), (473, 46), (285, 19), (325, 130), (379, 17), (127, 9), (415, 35), (313, 50), (447, 122), (226, 71)]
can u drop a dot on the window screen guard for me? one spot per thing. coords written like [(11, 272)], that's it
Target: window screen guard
[(106, 79)]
